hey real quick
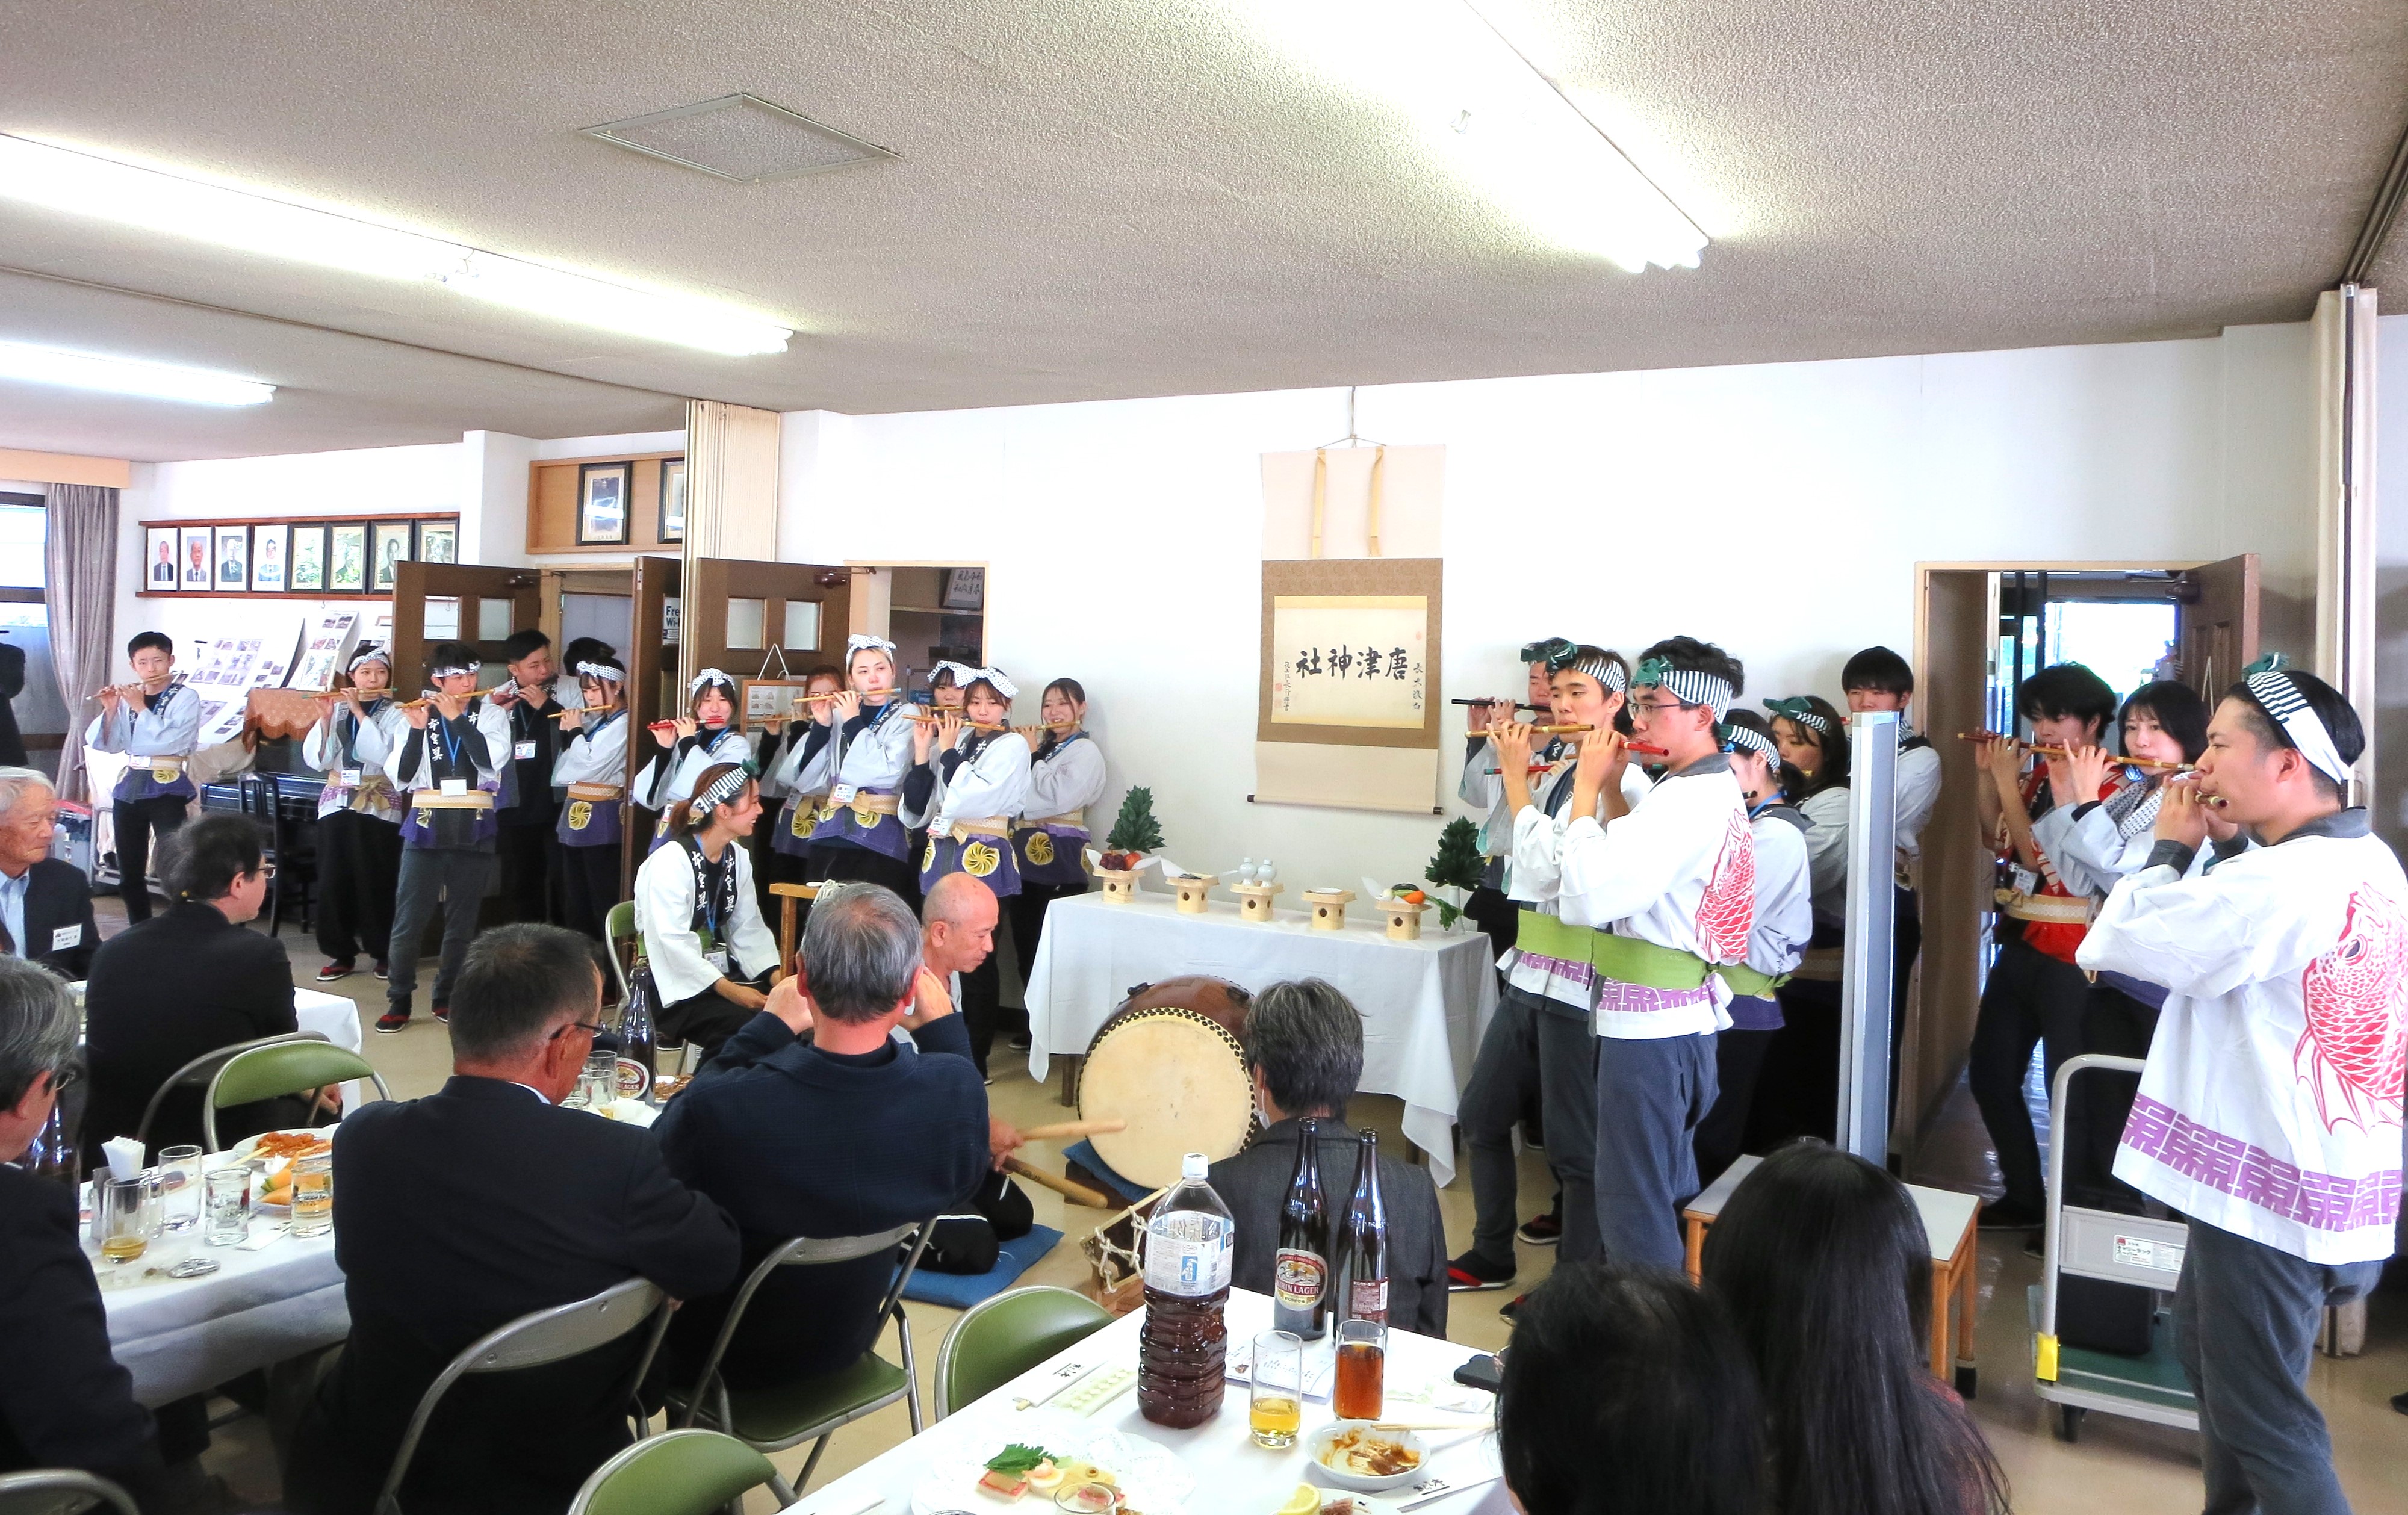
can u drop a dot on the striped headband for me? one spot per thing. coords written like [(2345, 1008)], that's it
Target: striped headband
[(1797, 710), (731, 784), (444, 670), (1735, 736), (2274, 690), (1605, 670), (1690, 686), (374, 654), (705, 680), (611, 671)]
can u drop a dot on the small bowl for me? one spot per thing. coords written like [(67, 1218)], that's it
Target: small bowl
[(1318, 1444)]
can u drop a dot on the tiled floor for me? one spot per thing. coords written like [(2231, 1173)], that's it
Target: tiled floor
[(2126, 1466)]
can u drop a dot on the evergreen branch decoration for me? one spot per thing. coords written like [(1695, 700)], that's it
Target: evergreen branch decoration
[(1134, 829)]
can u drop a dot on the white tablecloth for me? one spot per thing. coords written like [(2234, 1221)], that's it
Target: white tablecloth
[(1232, 1474), (180, 1336), (1425, 1003), (338, 1019)]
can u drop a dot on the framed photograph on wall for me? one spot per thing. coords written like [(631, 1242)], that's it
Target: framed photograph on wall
[(200, 568), (159, 552), (439, 541), (305, 566), (390, 542), (602, 503), (966, 589), (673, 500), (234, 558), (346, 558), (772, 699), (268, 559)]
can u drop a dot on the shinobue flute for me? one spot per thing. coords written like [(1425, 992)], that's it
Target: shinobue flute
[(2151, 764)]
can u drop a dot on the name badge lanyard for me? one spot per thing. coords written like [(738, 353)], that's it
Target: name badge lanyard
[(351, 730)]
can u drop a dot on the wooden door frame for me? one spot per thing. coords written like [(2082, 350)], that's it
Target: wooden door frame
[(414, 582), (652, 578)]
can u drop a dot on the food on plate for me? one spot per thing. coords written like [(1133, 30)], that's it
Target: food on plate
[(1018, 1468), (288, 1145), (1361, 1450), (1305, 1501), (1346, 1504)]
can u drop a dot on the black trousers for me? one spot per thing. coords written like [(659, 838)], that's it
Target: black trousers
[(138, 822), (1496, 916), (705, 1022), (359, 874), (1739, 1060), (1028, 912), (1797, 1084), (529, 853), (860, 863), (980, 1006), (2100, 1102), (2032, 999), (589, 886), (1908, 946)]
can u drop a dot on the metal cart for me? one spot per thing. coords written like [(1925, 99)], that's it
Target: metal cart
[(2119, 1248)]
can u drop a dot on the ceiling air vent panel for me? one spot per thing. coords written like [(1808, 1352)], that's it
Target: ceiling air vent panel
[(742, 137)]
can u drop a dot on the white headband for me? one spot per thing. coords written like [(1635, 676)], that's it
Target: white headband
[(374, 654), (2298, 720), (443, 672), (1693, 686), (704, 681), (729, 786), (963, 673), (995, 677), (1606, 671), (861, 641), (611, 671)]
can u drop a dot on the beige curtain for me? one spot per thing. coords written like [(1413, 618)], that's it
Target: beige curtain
[(82, 575)]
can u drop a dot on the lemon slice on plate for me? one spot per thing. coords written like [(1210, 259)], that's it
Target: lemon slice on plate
[(1305, 1501)]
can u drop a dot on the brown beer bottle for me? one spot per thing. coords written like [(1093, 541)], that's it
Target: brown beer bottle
[(1300, 1271), (1182, 1348), (1363, 1243)]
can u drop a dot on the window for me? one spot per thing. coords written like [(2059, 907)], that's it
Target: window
[(23, 525)]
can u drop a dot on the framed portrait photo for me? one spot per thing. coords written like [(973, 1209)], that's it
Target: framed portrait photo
[(439, 541), (268, 564), (234, 558), (160, 575), (389, 541), (673, 500), (305, 566), (602, 503), (346, 558), (195, 554)]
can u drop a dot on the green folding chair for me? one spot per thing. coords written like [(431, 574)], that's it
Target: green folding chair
[(619, 927), (689, 1472), (1000, 1338), (197, 1073), (813, 1409), (60, 1490), (286, 1067)]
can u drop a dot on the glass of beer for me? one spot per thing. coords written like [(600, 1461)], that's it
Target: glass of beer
[(124, 1212), (180, 1188), (1276, 1407), (1361, 1370), (313, 1194)]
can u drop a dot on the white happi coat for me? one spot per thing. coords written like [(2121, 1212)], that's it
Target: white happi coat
[(1533, 878), (2270, 1108)]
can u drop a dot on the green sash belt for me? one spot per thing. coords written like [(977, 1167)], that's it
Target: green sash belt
[(1625, 959), (1747, 983)]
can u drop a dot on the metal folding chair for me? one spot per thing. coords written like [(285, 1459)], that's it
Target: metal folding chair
[(60, 1490), (200, 1070), (281, 1068)]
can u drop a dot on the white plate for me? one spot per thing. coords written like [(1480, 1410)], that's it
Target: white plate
[(1317, 1446), (243, 1149), (1151, 1478)]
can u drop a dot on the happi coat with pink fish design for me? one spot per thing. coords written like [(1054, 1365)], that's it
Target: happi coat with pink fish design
[(2270, 1106)]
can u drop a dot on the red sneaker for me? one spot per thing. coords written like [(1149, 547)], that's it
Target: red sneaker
[(391, 1022)]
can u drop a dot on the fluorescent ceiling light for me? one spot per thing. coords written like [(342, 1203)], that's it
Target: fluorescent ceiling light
[(127, 376), (130, 195), (1483, 108)]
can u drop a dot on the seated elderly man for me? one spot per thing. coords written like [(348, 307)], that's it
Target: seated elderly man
[(68, 1404), (1306, 1041), (479, 1204), (45, 902), (844, 1134)]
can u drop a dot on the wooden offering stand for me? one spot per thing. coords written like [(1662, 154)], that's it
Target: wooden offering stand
[(1255, 901), (1328, 908), (1120, 885), (1404, 918), (1195, 892)]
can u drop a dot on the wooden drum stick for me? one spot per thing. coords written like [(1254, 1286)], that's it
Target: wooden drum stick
[(1075, 1194), (1072, 1130)]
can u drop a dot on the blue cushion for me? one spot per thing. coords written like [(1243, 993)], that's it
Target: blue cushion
[(1084, 1154), (963, 1290)]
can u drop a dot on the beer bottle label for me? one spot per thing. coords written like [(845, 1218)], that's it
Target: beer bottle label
[(1369, 1301), (1299, 1277)]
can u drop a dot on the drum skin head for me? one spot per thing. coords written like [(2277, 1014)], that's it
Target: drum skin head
[(1180, 1081)]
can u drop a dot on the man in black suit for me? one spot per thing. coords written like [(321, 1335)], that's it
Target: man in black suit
[(846, 1134), (13, 683), (186, 982), (65, 1402), (463, 1210), (45, 902)]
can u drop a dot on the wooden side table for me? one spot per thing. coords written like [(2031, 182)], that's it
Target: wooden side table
[(1950, 1224)]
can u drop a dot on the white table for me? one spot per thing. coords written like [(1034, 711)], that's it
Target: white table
[(1232, 1474), (1425, 1003), (338, 1019), (180, 1336)]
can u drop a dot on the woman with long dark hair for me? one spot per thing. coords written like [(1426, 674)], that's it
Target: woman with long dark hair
[(1822, 1260), (1066, 780), (1799, 1094), (1627, 1392)]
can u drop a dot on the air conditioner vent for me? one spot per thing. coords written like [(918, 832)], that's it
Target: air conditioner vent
[(742, 137)]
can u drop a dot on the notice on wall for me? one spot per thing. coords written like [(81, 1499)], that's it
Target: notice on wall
[(324, 654), (228, 668)]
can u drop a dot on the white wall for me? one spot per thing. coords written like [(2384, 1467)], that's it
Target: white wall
[(1779, 509)]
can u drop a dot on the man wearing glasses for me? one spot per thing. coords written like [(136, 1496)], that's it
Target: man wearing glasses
[(482, 1202), (45, 902)]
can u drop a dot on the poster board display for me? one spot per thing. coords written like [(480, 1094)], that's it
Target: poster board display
[(228, 668)]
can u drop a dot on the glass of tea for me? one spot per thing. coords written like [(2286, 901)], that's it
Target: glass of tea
[(124, 1210), (313, 1194), (1276, 1407), (1361, 1390)]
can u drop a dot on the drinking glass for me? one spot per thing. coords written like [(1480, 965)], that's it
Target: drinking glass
[(227, 1204), (1276, 1406), (1362, 1362), (314, 1195), (598, 1085), (180, 1188), (123, 1212)]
